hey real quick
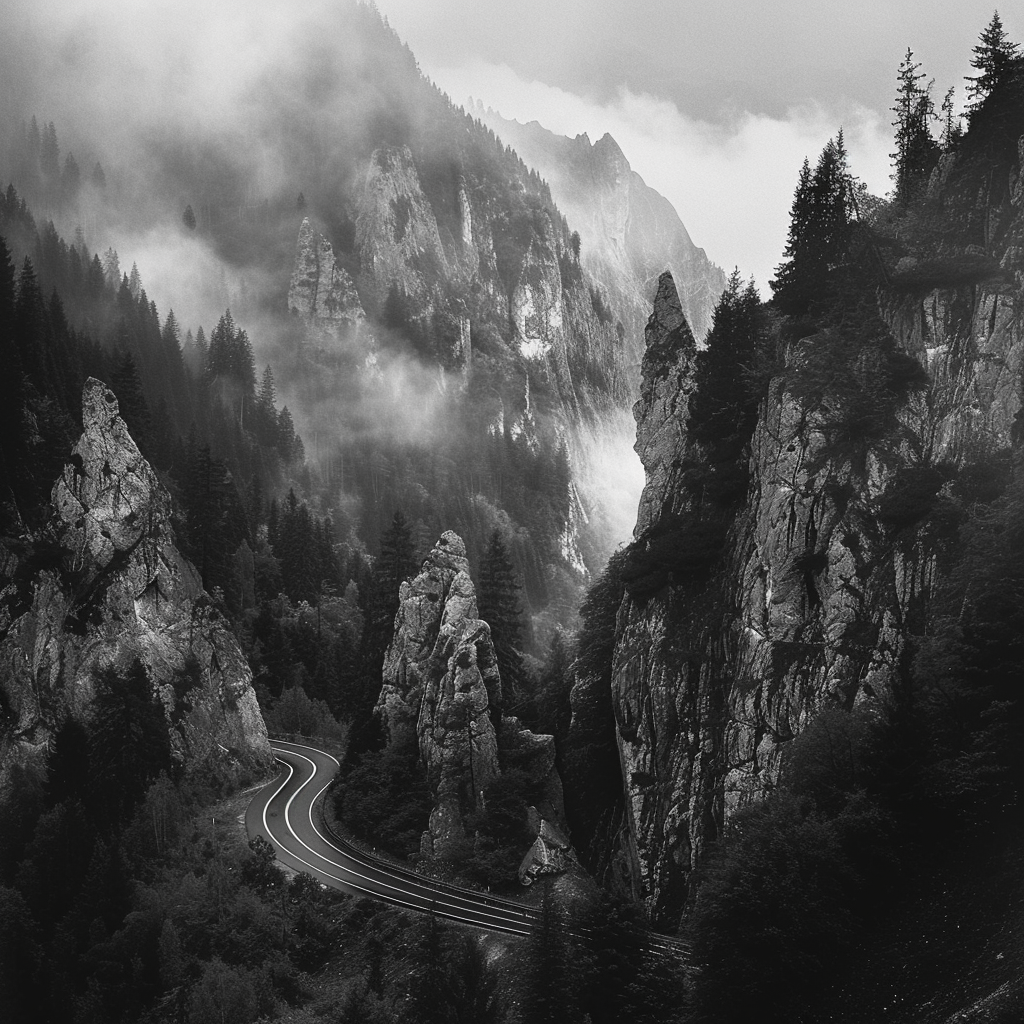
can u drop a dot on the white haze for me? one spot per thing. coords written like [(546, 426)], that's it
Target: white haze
[(145, 83), (732, 184)]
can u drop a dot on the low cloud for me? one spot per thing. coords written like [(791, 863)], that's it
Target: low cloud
[(731, 184)]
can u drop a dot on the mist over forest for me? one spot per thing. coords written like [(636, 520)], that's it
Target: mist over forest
[(432, 589)]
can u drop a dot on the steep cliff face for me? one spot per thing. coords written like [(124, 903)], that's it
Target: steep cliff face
[(630, 233), (322, 294), (658, 692), (105, 585), (471, 291), (443, 688), (829, 566)]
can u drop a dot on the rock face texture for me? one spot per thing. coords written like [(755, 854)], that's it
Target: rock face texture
[(106, 585), (551, 853), (666, 384), (322, 293), (460, 272), (396, 230), (631, 234), (442, 689), (824, 572)]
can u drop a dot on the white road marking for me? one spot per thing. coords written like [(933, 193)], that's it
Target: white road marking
[(432, 901)]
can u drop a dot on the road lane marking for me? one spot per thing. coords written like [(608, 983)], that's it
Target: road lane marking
[(426, 894), (500, 923), (661, 943), (457, 892)]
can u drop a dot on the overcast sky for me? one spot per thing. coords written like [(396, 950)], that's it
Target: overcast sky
[(714, 102)]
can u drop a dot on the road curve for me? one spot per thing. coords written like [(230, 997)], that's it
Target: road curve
[(284, 812)]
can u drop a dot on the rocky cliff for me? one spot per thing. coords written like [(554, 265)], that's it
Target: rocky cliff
[(483, 270), (861, 459), (104, 585), (322, 294), (442, 689), (630, 233), (467, 288)]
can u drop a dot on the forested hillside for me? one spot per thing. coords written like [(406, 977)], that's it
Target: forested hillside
[(783, 723)]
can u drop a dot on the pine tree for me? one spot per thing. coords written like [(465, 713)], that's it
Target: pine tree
[(819, 231), (13, 454), (787, 273), (498, 600), (230, 366), (995, 59), (49, 157), (135, 281), (951, 129), (916, 150), (70, 180), (723, 408), (395, 563), (214, 520), (126, 383), (128, 743), (175, 384), (550, 981), (112, 269), (266, 426)]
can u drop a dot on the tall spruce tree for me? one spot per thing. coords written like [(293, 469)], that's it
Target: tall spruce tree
[(13, 454), (498, 600), (819, 231), (395, 562), (723, 409), (995, 58), (126, 383), (916, 150)]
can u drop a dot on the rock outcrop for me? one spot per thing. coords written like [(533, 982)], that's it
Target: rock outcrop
[(323, 294), (105, 585), (551, 853), (396, 230), (441, 683), (666, 384), (827, 567), (442, 690)]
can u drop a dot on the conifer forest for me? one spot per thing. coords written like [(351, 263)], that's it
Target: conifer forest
[(469, 603)]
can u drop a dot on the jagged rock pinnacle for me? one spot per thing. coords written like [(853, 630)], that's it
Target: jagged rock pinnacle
[(442, 691), (109, 587), (665, 386)]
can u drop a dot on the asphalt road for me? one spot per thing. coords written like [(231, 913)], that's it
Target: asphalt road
[(285, 813)]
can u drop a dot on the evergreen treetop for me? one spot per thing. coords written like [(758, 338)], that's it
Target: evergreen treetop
[(498, 599), (995, 57), (916, 150)]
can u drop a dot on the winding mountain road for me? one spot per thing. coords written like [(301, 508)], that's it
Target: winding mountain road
[(285, 813)]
